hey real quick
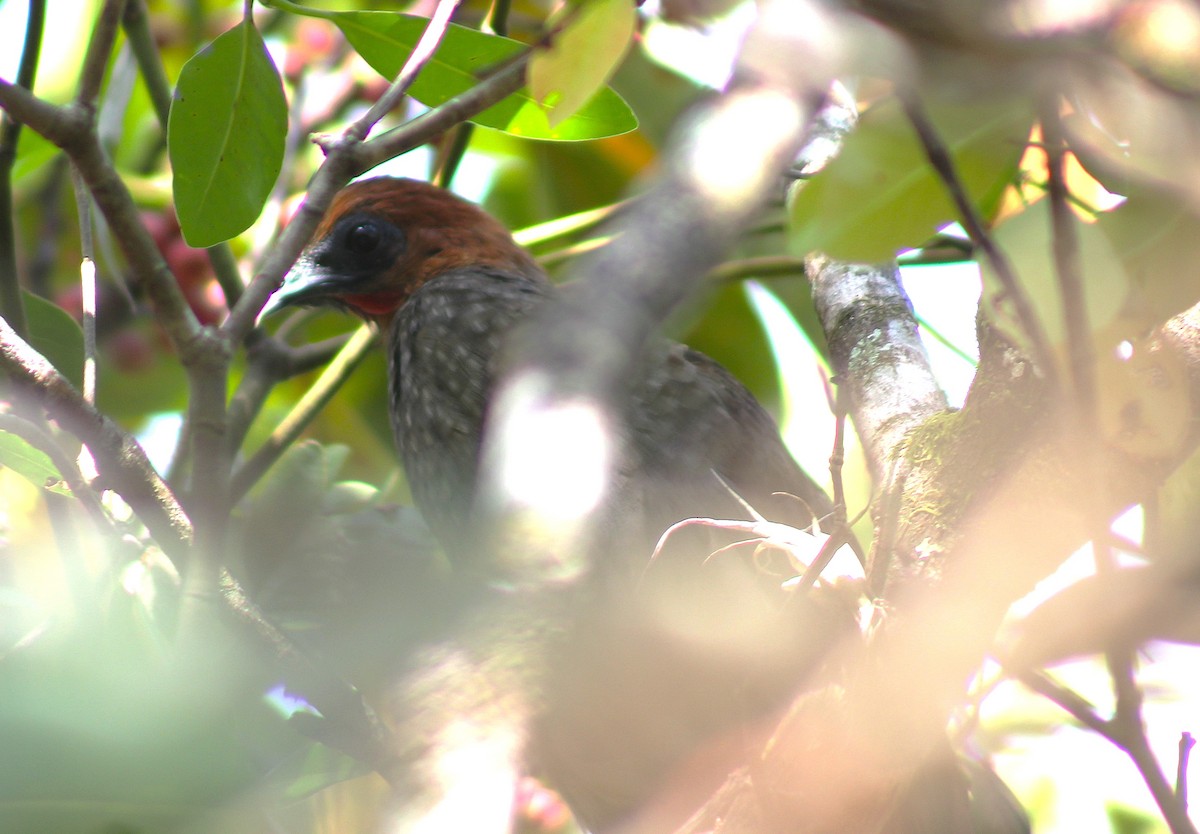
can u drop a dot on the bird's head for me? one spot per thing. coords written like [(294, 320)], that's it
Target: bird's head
[(385, 237)]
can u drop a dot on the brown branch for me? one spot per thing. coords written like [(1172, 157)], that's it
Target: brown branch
[(100, 45), (270, 362), (71, 129), (122, 463), (1129, 737), (431, 38), (994, 500)]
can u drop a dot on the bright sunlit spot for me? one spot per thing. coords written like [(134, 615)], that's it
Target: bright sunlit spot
[(477, 763), (945, 297), (705, 53), (556, 455), (806, 427), (723, 158), (287, 703), (1078, 775), (61, 52)]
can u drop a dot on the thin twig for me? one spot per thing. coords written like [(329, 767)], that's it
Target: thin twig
[(942, 163), (1127, 723), (1186, 743), (270, 362), (768, 266), (100, 45), (1065, 246), (1075, 704), (430, 40), (87, 284), (503, 82), (1128, 737), (451, 153)]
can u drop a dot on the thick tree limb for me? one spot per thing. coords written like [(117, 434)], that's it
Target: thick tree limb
[(877, 354), (960, 560)]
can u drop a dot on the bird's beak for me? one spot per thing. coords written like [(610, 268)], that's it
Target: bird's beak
[(306, 283)]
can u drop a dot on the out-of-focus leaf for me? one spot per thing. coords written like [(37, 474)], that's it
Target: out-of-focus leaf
[(385, 40), (320, 768), (131, 395), (30, 463), (112, 740), (56, 336), (1173, 528), (1129, 262), (295, 487), (1125, 820), (349, 496), (1153, 235), (1140, 38), (226, 136), (1026, 239), (580, 61), (880, 195)]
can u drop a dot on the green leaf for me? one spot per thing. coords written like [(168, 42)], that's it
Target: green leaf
[(30, 463), (1153, 235), (880, 195), (225, 136), (1126, 820), (1129, 258), (581, 60), (385, 40), (320, 768), (56, 336)]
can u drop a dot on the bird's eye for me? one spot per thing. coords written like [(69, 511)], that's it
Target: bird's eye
[(363, 238)]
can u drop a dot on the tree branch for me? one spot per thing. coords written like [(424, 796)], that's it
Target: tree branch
[(71, 129), (877, 354), (11, 305), (122, 463)]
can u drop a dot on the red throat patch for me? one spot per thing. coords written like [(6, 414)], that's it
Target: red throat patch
[(375, 306)]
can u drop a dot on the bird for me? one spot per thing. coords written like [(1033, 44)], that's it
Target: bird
[(665, 655)]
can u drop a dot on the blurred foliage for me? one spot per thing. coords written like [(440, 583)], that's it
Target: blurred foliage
[(115, 732)]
